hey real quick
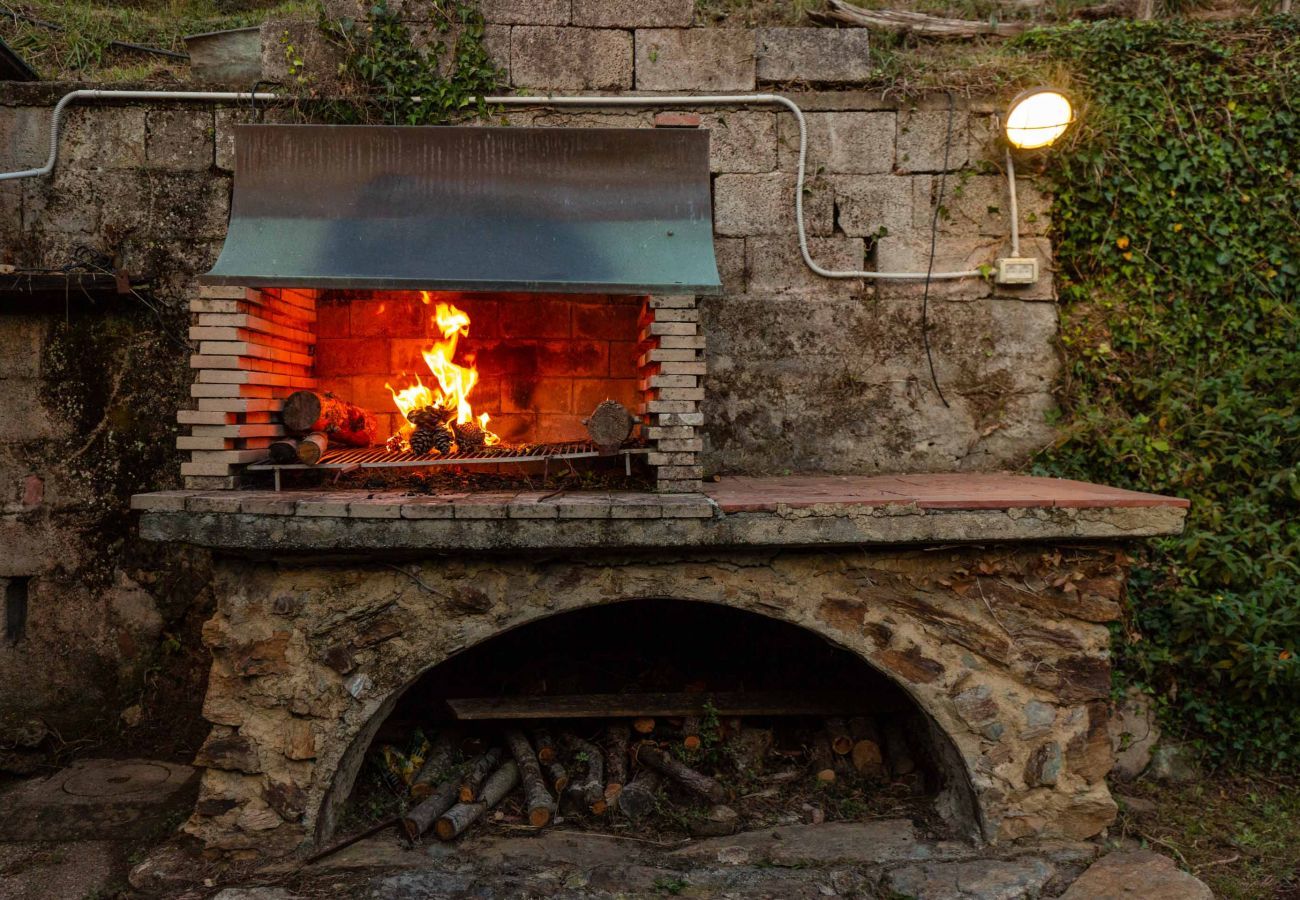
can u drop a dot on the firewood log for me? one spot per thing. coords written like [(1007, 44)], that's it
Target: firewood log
[(866, 754), (697, 782), (312, 447), (478, 770), (589, 790), (344, 422), (283, 451), (822, 758), (545, 745), (838, 731), (691, 739), (558, 775), (616, 738), (609, 425), (436, 763), (640, 797), (439, 799), (455, 820), (537, 798)]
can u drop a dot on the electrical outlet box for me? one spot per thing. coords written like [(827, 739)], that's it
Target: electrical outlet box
[(1016, 270)]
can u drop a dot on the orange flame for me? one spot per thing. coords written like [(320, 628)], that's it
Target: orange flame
[(455, 382)]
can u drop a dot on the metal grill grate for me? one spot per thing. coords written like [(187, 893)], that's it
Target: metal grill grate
[(379, 458)]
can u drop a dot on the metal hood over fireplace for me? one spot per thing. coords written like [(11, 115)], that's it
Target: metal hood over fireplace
[(573, 210)]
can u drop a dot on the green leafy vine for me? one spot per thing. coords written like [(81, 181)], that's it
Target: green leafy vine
[(1178, 237)]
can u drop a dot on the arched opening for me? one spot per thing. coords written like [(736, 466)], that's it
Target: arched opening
[(824, 736)]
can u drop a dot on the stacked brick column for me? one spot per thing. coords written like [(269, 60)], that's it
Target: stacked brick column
[(671, 369), (255, 347)]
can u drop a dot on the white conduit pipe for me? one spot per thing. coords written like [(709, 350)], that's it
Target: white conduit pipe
[(56, 123)]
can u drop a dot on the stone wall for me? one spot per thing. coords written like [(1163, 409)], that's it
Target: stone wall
[(1011, 668), (81, 387), (804, 374)]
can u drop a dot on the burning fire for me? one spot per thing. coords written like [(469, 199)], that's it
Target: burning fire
[(455, 383)]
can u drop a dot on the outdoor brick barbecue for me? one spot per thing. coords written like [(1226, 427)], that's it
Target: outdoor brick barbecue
[(977, 602), (543, 364)]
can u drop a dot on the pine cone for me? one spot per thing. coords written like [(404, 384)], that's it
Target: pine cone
[(430, 417), (421, 441), (469, 437), (426, 440)]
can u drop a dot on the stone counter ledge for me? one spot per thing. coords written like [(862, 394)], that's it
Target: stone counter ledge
[(740, 512)]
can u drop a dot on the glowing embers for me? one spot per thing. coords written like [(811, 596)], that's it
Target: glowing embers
[(441, 419)]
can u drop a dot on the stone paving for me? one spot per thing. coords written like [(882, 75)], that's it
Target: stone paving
[(877, 859), (70, 834), (874, 859)]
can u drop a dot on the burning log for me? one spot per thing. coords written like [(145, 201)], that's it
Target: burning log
[(477, 771), (640, 797), (616, 738), (609, 425), (312, 448), (536, 797), (283, 451), (590, 789), (436, 762), (697, 782), (455, 820)]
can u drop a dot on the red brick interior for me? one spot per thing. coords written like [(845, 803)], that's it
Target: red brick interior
[(544, 360)]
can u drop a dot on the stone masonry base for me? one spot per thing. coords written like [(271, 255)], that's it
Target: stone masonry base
[(1004, 649)]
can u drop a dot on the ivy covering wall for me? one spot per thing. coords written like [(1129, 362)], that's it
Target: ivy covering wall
[(1178, 235)]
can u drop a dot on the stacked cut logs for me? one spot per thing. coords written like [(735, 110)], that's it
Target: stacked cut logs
[(630, 768), (314, 420)]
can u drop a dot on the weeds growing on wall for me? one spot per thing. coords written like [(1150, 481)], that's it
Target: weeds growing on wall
[(1178, 230), (393, 81)]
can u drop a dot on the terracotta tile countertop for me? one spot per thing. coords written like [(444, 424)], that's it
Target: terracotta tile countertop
[(934, 491)]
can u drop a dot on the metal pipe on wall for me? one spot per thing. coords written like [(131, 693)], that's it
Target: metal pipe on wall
[(606, 100)]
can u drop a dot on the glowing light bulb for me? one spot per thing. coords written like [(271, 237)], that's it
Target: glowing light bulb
[(1038, 118)]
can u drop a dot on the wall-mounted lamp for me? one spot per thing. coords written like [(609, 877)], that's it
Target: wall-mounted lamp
[(1036, 119)]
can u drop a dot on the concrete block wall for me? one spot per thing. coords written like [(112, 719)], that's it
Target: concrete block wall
[(806, 373), (803, 374)]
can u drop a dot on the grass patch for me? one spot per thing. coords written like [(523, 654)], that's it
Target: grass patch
[(1238, 834), (83, 51)]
